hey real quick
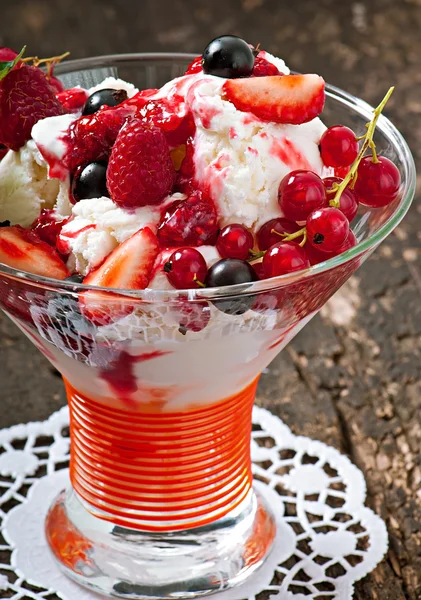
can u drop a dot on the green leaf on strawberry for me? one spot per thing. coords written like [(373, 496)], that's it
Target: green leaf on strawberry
[(7, 66)]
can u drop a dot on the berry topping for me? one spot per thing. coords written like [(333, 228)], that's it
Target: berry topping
[(90, 182), (232, 271), (327, 229), (338, 146), (186, 269), (378, 181), (25, 98), (195, 66), (177, 125), (348, 201), (22, 249), (264, 68), (271, 232), (140, 170), (73, 99), (235, 241), (128, 267), (104, 97), (48, 226), (283, 258), (228, 56), (91, 138), (301, 192), (191, 222), (290, 99), (3, 151)]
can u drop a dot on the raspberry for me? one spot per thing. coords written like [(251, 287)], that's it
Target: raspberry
[(55, 84), (195, 66), (25, 98), (263, 68), (91, 138), (189, 222), (140, 170)]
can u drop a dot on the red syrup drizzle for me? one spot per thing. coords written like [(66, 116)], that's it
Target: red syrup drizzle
[(119, 374), (289, 154)]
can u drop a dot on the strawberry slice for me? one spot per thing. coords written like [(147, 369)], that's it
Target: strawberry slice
[(22, 249), (128, 267), (292, 99)]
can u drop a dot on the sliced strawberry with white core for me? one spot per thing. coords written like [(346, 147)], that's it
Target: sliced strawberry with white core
[(289, 99), (22, 249), (128, 267)]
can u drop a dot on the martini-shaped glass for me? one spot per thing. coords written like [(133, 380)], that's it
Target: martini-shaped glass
[(161, 503)]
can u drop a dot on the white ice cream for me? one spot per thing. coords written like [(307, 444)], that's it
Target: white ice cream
[(24, 186), (98, 225)]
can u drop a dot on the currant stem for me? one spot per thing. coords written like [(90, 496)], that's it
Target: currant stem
[(368, 143), (40, 61), (296, 234), (255, 255)]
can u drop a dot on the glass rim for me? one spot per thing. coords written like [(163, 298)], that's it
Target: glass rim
[(264, 285)]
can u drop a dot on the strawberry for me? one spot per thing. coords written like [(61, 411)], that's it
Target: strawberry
[(290, 99), (73, 99), (25, 98), (22, 249), (128, 267), (7, 54), (91, 137), (140, 170)]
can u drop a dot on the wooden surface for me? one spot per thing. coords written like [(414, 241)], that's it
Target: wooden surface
[(352, 377)]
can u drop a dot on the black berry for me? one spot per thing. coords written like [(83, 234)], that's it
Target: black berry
[(232, 271), (90, 182), (75, 278), (228, 56), (107, 97)]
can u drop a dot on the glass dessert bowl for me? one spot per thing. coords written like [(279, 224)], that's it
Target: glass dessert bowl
[(161, 385)]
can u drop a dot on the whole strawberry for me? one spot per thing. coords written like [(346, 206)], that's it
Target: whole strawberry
[(25, 98), (140, 170)]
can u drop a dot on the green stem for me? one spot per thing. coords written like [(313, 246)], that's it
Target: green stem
[(368, 143)]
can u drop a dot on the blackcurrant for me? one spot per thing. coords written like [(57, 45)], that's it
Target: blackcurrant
[(107, 97), (90, 182), (232, 271), (75, 278), (228, 56)]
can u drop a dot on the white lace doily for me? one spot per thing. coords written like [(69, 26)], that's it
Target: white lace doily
[(327, 539)]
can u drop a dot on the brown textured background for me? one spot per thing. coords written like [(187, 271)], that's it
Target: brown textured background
[(352, 377)]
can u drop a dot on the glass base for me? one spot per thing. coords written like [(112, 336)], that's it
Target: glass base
[(128, 563)]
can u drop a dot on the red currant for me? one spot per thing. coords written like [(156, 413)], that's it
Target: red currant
[(191, 316), (185, 268), (284, 257), (377, 183), (338, 146), (269, 233), (235, 241), (316, 256), (327, 229), (300, 192), (348, 202)]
